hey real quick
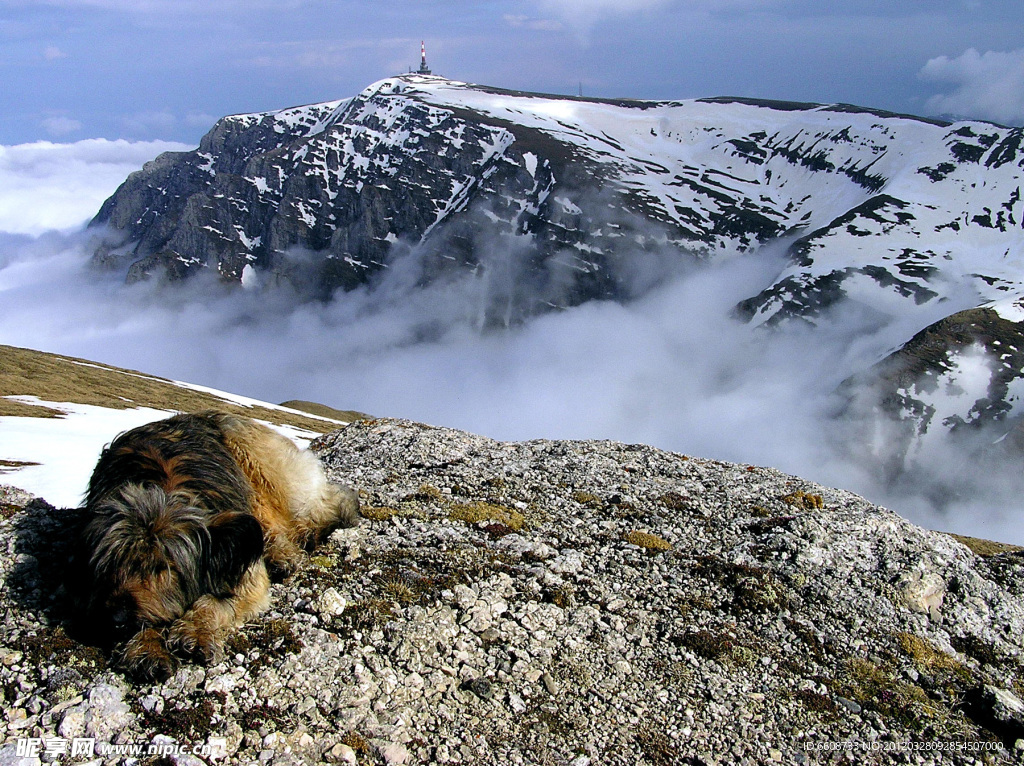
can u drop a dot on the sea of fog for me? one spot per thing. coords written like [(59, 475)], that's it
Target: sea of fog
[(671, 368)]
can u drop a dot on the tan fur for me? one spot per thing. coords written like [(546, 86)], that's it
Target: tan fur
[(204, 627), (292, 498), (149, 539)]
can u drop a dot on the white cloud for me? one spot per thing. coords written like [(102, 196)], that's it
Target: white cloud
[(45, 185), (986, 85), (60, 126), (520, 21), (53, 53), (582, 15)]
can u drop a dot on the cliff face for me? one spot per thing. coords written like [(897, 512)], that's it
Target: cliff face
[(887, 209), (562, 602)]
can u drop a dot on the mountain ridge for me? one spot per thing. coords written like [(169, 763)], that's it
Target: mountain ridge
[(545, 203)]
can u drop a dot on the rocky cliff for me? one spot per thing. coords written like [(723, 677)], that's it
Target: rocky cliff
[(887, 209), (561, 603)]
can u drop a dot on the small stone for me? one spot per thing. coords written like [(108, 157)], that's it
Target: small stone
[(331, 603), (342, 753), (616, 605), (394, 754), (482, 688), (551, 684), (850, 705), (516, 703), (775, 755)]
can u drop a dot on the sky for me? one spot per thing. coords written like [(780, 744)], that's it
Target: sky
[(166, 69), (91, 89)]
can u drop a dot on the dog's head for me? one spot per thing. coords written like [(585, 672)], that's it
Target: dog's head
[(152, 553)]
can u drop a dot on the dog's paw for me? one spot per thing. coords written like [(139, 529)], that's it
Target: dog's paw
[(145, 657), (282, 569), (186, 637)]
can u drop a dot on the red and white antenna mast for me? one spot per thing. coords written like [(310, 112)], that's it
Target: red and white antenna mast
[(424, 69)]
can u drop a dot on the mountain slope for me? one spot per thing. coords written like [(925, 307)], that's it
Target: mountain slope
[(891, 209), (543, 202), (559, 602), (57, 413)]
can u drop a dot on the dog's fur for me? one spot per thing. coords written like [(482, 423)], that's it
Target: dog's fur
[(182, 519)]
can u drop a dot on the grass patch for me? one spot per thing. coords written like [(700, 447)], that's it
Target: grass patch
[(274, 639), (323, 411), (648, 542), (986, 548), (189, 720), (55, 378), (588, 499), (877, 689), (377, 513), (472, 513), (805, 501), (928, 659)]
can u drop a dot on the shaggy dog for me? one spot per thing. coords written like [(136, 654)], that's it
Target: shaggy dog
[(182, 518)]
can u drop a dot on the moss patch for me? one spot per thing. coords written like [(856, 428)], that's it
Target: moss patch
[(377, 513), (273, 639), (805, 501), (473, 513), (648, 541), (189, 720)]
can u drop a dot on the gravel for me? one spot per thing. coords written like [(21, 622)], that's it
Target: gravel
[(553, 602)]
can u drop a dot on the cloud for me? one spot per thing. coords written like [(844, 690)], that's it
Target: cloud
[(986, 86), (53, 53), (60, 126), (582, 15), (525, 22), (46, 185), (642, 371)]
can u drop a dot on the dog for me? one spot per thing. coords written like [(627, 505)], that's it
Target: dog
[(182, 520)]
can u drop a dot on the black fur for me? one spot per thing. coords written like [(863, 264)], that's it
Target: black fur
[(166, 500)]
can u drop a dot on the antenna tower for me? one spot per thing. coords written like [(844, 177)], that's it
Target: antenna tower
[(424, 69)]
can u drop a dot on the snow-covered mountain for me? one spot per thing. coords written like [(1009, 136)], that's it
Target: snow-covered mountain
[(557, 199)]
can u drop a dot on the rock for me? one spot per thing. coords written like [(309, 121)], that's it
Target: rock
[(394, 754), (342, 753), (553, 687), (694, 661), (331, 603), (923, 591), (850, 705)]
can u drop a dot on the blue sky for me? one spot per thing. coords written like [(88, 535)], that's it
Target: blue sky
[(166, 69)]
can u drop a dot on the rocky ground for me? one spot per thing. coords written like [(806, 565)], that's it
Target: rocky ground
[(580, 603)]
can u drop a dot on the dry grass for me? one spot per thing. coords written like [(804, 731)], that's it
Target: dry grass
[(647, 541), (805, 501), (324, 411), (472, 513), (986, 547), (926, 658), (55, 378)]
